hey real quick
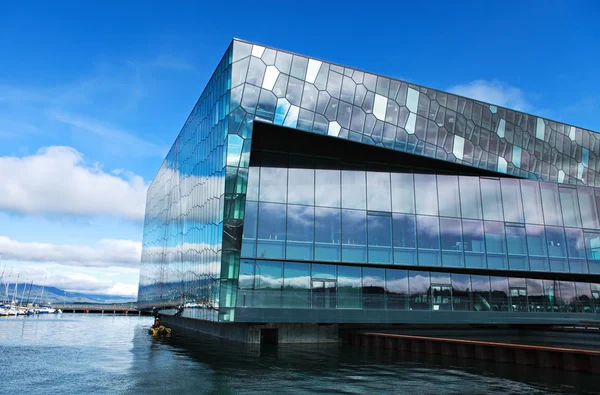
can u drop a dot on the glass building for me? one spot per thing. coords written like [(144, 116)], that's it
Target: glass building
[(301, 191)]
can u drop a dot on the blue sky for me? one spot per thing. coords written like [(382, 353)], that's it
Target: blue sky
[(93, 94)]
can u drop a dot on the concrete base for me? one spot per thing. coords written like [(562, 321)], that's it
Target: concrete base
[(257, 333)]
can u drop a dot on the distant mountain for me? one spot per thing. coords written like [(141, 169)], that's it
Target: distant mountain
[(59, 296)]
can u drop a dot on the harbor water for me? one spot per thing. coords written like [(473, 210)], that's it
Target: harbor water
[(106, 354)]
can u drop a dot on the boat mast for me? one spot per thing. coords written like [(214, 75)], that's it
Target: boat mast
[(24, 289), (16, 288), (30, 287)]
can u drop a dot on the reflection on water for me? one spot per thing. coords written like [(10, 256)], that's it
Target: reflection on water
[(115, 354)]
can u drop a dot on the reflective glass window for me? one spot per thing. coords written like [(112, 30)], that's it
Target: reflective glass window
[(473, 243), (480, 289), (536, 244), (403, 193), (379, 238), (396, 289), (378, 191), (354, 190), (249, 235), (327, 234), (296, 285), (354, 236), (576, 250), (511, 197), (550, 292), (451, 241), (253, 181), (592, 247), (517, 248), (518, 294), (404, 239), (301, 188), (300, 230), (428, 241), (568, 297), (327, 188), (495, 245), (499, 293), (596, 297), (441, 291), (538, 301), (448, 196), (373, 288), (426, 194), (268, 284), (532, 202), (470, 197), (551, 204), (418, 284), (584, 298), (324, 286), (273, 186), (492, 200), (271, 230), (587, 205), (570, 206), (557, 249), (349, 287), (461, 292)]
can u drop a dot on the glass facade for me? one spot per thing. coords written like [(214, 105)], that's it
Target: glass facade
[(221, 234)]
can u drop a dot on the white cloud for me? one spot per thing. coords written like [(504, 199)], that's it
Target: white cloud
[(493, 92), (56, 180), (108, 253)]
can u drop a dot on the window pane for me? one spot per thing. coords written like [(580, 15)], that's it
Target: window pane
[(517, 248), (495, 245), (268, 284), (273, 184), (327, 188), (425, 193), (327, 234), (536, 244), (380, 239), (584, 298), (538, 302), (592, 247), (587, 205), (473, 244), (499, 293), (518, 294), (511, 197), (300, 231), (551, 204), (570, 207), (448, 196), (404, 232), (249, 235), (253, 181), (396, 288), (481, 293), (354, 190), (451, 242), (441, 291), (576, 250), (557, 249), (492, 201), (568, 296), (532, 203), (461, 292), (349, 287), (296, 285), (246, 279), (470, 197), (354, 236), (418, 283), (403, 193), (301, 188), (378, 191), (373, 289), (271, 230), (428, 241)]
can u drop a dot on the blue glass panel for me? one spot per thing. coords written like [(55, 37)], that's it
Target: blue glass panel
[(511, 197), (448, 196), (499, 294), (570, 206), (403, 194), (557, 249), (481, 293), (470, 197), (396, 289), (517, 248), (249, 235), (587, 205), (301, 189), (451, 241), (373, 288), (273, 184), (354, 190), (380, 239), (418, 284), (495, 245), (349, 287), (492, 200), (532, 203), (404, 239), (354, 236), (536, 244), (327, 188), (300, 226), (551, 204), (327, 234), (592, 247), (378, 191), (324, 271), (268, 284), (296, 285), (576, 250), (473, 243), (271, 230), (426, 194), (428, 241)]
